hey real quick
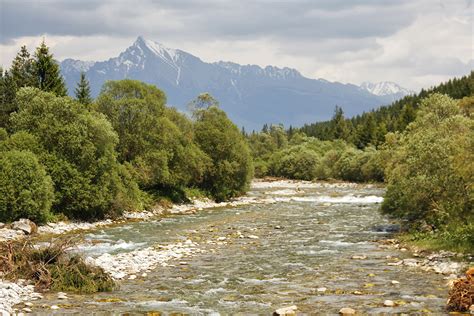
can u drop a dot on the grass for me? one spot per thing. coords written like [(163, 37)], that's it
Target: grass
[(459, 239), (52, 267)]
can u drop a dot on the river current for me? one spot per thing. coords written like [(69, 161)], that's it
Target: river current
[(317, 247)]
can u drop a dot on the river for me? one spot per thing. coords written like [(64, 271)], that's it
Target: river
[(316, 247)]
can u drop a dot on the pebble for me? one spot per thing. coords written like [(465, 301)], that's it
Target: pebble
[(321, 289), (54, 307), (26, 309), (132, 277), (395, 282), (347, 311), (388, 303), (360, 257), (62, 296), (253, 237), (287, 311)]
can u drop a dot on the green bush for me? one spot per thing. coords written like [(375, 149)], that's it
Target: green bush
[(231, 166), (156, 141), (77, 148), (26, 191), (430, 173)]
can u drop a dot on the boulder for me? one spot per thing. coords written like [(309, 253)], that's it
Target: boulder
[(347, 311), (25, 225), (287, 311)]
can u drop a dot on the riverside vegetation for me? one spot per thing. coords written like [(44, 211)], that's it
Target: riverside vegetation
[(90, 159)]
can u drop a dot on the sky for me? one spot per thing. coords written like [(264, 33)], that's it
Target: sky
[(415, 43)]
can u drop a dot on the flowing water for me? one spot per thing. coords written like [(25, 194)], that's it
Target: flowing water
[(306, 241)]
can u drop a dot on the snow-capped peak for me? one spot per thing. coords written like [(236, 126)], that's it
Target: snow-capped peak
[(158, 49), (385, 88)]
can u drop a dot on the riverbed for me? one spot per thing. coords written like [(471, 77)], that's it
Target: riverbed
[(313, 245)]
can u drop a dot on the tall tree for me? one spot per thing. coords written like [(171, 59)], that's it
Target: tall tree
[(48, 75), (7, 97), (339, 126), (83, 90), (22, 69)]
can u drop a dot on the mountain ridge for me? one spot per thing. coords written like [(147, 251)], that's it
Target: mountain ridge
[(250, 94)]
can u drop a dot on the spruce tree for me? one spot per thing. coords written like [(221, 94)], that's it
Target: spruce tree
[(22, 69), (83, 90), (48, 75), (339, 126), (8, 104)]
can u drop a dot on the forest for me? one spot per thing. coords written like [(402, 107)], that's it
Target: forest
[(79, 158)]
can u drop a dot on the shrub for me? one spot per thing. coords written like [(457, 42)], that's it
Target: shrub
[(26, 191), (77, 148), (231, 166)]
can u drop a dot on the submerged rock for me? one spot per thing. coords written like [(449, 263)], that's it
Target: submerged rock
[(287, 311)]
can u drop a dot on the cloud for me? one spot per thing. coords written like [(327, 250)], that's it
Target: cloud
[(413, 42)]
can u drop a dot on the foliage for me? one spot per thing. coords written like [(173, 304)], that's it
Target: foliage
[(155, 141), (231, 167), (47, 73), (77, 148), (370, 128), (430, 172), (83, 90), (26, 191)]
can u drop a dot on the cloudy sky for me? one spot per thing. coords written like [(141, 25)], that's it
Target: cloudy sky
[(416, 43)]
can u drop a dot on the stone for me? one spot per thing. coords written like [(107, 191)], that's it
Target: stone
[(395, 282), (54, 307), (252, 237), (321, 289), (360, 257), (2, 225), (287, 311), (29, 304), (347, 311), (62, 296), (26, 309), (388, 303), (25, 225), (132, 277)]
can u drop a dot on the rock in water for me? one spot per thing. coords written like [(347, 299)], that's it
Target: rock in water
[(287, 311), (25, 225), (347, 311), (388, 303)]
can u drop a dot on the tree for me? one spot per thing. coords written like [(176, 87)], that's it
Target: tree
[(7, 98), (430, 172), (231, 164), (339, 126), (47, 73), (77, 148), (83, 90), (22, 69), (161, 154), (26, 191)]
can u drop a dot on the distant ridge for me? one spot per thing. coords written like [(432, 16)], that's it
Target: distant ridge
[(250, 94)]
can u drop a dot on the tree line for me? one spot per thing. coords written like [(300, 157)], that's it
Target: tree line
[(89, 159), (369, 129)]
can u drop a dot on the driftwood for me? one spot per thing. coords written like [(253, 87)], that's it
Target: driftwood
[(461, 295)]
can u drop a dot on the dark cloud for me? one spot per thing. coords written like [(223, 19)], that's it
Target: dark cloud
[(304, 19)]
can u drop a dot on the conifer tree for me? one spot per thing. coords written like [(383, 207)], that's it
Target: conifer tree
[(8, 105), (83, 90), (22, 69), (47, 72), (339, 126)]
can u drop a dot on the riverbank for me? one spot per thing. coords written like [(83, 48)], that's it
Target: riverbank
[(321, 202)]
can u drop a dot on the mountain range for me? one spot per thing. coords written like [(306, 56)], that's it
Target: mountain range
[(251, 95)]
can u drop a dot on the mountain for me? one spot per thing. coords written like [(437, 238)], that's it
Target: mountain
[(386, 88), (251, 95)]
